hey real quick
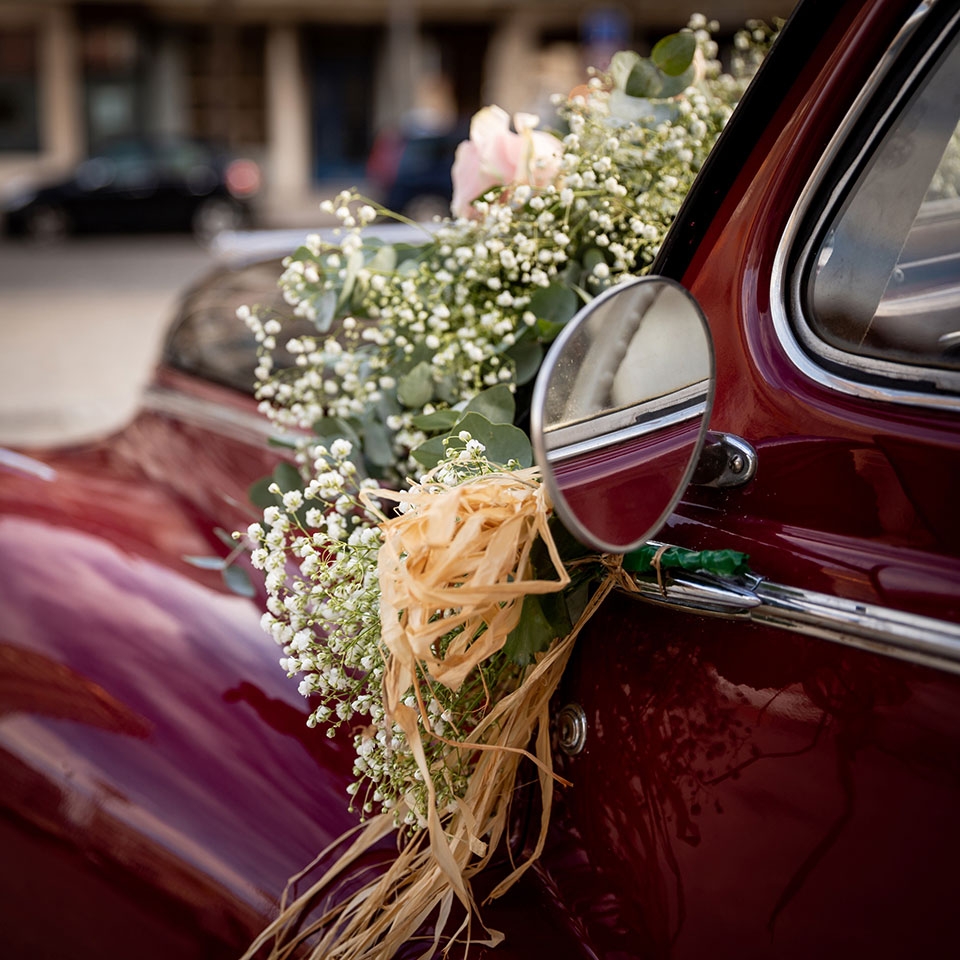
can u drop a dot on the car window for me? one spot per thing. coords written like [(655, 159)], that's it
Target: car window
[(884, 282), (182, 156), (208, 340)]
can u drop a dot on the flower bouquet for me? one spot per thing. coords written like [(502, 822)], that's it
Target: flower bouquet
[(417, 580)]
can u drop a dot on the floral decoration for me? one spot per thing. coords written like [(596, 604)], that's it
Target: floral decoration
[(417, 582)]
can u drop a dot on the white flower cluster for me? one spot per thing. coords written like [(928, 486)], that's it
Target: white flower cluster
[(461, 303), (318, 548), (401, 334), (750, 46)]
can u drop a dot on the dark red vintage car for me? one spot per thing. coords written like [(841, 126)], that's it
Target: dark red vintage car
[(765, 765)]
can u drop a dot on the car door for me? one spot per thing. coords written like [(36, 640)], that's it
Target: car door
[(778, 773)]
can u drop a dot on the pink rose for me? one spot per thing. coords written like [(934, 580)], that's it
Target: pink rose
[(495, 155)]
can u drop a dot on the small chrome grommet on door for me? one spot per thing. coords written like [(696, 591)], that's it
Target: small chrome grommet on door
[(572, 724)]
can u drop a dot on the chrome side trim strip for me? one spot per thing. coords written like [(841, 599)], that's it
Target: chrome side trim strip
[(785, 289), (866, 626), (237, 424), (20, 463)]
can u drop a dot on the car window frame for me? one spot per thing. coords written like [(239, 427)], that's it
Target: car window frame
[(930, 29), (188, 322)]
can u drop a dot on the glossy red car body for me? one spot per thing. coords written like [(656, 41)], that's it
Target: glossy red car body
[(743, 791)]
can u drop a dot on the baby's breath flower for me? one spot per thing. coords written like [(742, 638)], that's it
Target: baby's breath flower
[(406, 336)]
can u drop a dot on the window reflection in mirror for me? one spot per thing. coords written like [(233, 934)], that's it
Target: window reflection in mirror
[(620, 411)]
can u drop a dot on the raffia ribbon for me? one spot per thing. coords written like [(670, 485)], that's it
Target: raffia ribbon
[(459, 557)]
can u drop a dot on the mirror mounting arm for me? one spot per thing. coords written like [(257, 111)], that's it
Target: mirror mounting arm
[(726, 461)]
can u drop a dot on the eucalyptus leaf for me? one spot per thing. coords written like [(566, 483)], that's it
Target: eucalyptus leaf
[(429, 453), (224, 537), (438, 420), (527, 355), (645, 81), (260, 496), (673, 86), (301, 254), (674, 53), (384, 260), (629, 109), (238, 580), (325, 305), (410, 252), (447, 389), (206, 563), (532, 634), (591, 258), (621, 65), (496, 404), (354, 265), (287, 477), (388, 405), (556, 303), (571, 274), (555, 609), (335, 428), (404, 363), (421, 354), (415, 389), (408, 267), (547, 332), (377, 448), (503, 441)]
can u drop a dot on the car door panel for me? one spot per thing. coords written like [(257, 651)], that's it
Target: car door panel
[(750, 786), (779, 793)]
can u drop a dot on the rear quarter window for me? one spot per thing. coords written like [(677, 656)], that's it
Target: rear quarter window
[(880, 285)]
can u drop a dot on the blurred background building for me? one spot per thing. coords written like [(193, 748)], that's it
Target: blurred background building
[(317, 91)]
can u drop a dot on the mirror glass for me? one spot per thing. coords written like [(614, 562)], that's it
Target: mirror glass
[(620, 410)]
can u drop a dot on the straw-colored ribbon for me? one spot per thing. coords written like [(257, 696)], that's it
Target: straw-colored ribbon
[(459, 557)]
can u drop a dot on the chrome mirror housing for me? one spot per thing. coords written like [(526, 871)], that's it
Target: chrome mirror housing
[(620, 411)]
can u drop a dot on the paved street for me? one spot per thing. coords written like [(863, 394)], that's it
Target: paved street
[(81, 326)]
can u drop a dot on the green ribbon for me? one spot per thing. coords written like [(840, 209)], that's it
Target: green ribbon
[(723, 563)]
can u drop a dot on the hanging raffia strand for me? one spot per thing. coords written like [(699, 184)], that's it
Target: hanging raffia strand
[(453, 572)]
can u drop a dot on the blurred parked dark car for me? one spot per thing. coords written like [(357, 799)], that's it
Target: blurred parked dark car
[(411, 170), (763, 765), (137, 185)]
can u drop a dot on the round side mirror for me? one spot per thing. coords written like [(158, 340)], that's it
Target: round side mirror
[(620, 411)]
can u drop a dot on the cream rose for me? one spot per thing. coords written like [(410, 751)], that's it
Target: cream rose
[(495, 155)]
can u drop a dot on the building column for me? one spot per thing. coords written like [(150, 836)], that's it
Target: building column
[(510, 79), (61, 90), (167, 88), (402, 64), (288, 117)]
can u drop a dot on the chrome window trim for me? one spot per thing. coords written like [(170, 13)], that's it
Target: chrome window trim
[(611, 436), (785, 288), (250, 427)]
